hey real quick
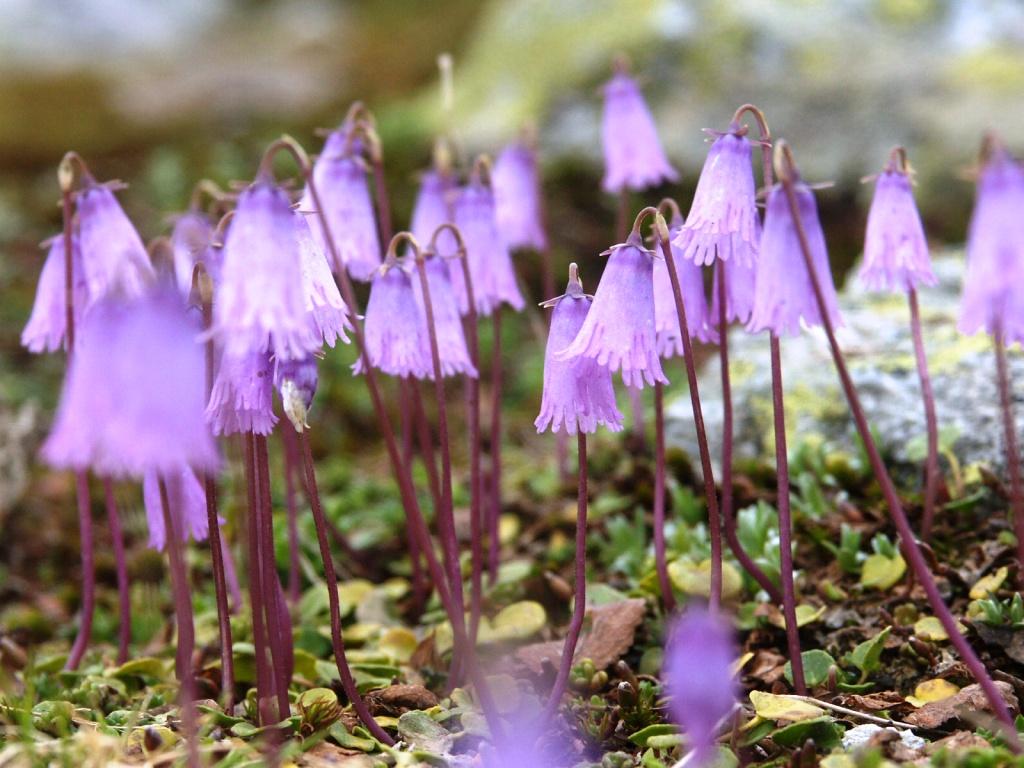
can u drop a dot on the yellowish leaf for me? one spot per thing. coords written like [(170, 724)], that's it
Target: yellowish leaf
[(930, 628), (932, 690), (805, 614), (695, 578), (741, 662), (774, 707), (881, 572), (987, 585)]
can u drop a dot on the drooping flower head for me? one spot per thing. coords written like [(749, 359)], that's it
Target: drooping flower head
[(783, 293), (242, 398), (633, 156), (451, 339), (133, 396), (296, 382), (325, 309), (691, 284), (432, 207), (340, 177), (739, 291), (394, 329), (700, 657), (260, 302), (191, 240), (723, 222), (114, 258), (490, 263), (619, 331), (517, 197), (578, 393), (186, 501), (527, 740), (895, 248), (47, 324), (992, 295)]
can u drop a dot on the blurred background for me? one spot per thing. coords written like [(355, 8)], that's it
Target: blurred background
[(161, 93)]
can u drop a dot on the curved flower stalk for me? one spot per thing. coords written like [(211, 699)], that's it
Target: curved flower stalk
[(896, 259), (46, 328), (255, 309), (619, 331), (340, 176), (991, 296), (517, 197), (633, 155), (578, 395), (700, 678), (789, 178)]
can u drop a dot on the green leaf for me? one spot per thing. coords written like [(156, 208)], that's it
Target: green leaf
[(825, 731), (882, 572), (423, 732), (817, 663), (144, 667), (867, 656), (640, 738)]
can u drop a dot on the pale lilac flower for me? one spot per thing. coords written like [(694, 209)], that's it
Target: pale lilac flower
[(296, 382), (340, 177), (723, 222), (739, 290), (451, 339), (432, 209), (517, 197), (633, 156), (490, 263), (394, 328), (186, 501), (242, 398), (700, 658), (528, 741), (133, 396), (326, 310), (994, 274), (191, 239), (113, 256), (783, 293), (46, 326), (895, 248), (691, 284), (578, 393), (260, 303), (619, 332)]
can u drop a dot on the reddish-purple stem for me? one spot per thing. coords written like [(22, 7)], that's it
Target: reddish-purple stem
[(278, 623), (186, 630), (405, 418), (494, 508), (906, 533), (348, 682), (291, 503), (88, 572), (124, 597), (728, 518), (1010, 439), (785, 521), (231, 577), (710, 493), (579, 608), (660, 561), (445, 515), (931, 469), (259, 631), (426, 442)]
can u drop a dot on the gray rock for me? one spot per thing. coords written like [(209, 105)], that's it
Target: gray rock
[(878, 347)]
